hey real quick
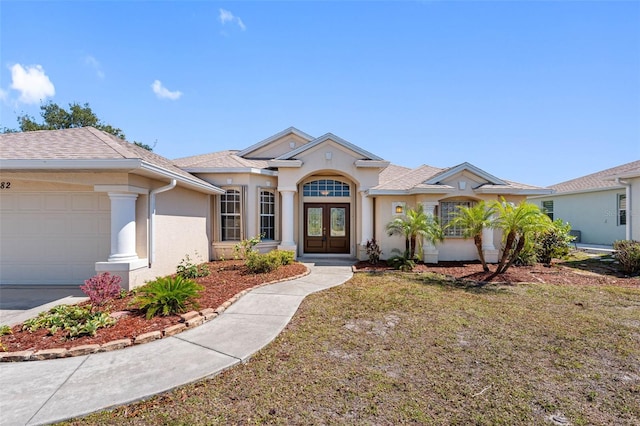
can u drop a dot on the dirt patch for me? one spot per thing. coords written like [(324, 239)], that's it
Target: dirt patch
[(227, 279)]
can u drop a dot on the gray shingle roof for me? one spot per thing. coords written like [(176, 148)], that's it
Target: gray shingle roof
[(81, 143), (221, 159), (408, 179), (599, 180)]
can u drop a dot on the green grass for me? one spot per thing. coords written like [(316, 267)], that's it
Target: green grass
[(393, 349)]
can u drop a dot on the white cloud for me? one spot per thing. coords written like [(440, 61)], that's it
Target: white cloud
[(164, 93), (226, 16), (93, 63), (32, 83), (3, 95)]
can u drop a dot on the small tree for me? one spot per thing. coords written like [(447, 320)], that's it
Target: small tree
[(517, 223), (473, 220), (416, 226), (553, 242)]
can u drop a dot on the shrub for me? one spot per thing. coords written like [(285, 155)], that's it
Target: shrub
[(373, 251), (402, 261), (167, 296), (554, 242), (258, 263), (187, 269), (76, 320), (627, 253), (102, 288), (245, 248)]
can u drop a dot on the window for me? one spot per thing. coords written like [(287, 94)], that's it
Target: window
[(326, 188), (230, 203), (622, 209), (547, 208), (448, 210), (267, 215)]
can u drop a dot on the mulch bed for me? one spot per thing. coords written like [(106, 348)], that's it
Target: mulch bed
[(558, 273), (227, 279)]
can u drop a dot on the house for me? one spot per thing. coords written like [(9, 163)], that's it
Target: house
[(600, 206), (78, 201)]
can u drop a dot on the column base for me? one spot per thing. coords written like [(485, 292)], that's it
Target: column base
[(430, 256), (122, 269), (491, 256)]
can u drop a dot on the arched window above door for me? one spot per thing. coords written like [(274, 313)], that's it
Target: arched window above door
[(326, 188)]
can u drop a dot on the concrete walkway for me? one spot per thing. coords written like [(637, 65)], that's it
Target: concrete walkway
[(42, 392)]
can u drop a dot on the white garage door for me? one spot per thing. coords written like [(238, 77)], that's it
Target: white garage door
[(52, 237)]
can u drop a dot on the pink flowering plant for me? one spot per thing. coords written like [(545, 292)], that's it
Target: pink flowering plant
[(102, 288)]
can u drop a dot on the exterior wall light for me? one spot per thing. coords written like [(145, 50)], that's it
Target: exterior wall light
[(324, 192), (398, 209)]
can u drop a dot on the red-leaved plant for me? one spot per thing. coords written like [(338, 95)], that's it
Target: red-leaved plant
[(102, 288)]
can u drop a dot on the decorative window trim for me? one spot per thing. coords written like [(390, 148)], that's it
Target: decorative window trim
[(272, 214), (622, 209), (223, 213), (446, 210)]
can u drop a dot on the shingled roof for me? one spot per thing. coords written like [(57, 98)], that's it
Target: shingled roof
[(83, 143), (604, 179), (222, 159)]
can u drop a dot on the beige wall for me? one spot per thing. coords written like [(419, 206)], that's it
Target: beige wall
[(279, 147), (594, 214)]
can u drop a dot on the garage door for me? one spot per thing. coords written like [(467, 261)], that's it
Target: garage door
[(52, 237)]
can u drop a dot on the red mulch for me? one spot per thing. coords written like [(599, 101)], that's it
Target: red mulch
[(227, 279), (587, 273)]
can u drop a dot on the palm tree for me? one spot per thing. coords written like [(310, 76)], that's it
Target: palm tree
[(517, 222), (415, 226), (473, 220)]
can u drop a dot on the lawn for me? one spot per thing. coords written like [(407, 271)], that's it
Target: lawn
[(395, 348)]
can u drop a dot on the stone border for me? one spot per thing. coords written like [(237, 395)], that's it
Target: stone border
[(188, 321)]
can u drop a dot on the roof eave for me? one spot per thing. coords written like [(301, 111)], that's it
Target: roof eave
[(379, 164), (218, 170), (284, 163), (191, 183), (513, 191), (70, 164)]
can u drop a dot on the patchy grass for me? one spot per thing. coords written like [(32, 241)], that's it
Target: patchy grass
[(394, 348)]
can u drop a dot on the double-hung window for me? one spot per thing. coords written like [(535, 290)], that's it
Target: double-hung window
[(267, 214), (622, 209), (448, 210), (230, 215)]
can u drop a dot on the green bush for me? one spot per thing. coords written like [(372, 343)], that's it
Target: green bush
[(245, 248), (543, 246), (402, 261), (167, 296), (76, 320), (259, 263), (627, 253), (187, 269)]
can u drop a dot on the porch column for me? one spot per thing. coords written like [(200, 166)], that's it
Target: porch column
[(123, 227), (366, 218), (489, 249), (431, 252), (287, 242)]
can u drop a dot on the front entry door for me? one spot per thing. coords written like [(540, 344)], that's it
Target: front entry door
[(326, 228)]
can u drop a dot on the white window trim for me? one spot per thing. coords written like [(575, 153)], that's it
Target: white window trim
[(273, 191), (242, 191)]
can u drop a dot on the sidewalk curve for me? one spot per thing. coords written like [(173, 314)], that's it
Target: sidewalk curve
[(42, 392)]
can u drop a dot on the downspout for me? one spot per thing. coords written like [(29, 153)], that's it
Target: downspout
[(629, 224), (152, 214)]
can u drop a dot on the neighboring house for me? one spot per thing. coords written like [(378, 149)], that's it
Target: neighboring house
[(78, 201), (601, 207)]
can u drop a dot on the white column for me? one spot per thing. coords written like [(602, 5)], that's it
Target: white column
[(431, 252), (366, 218), (488, 247), (287, 242), (123, 227)]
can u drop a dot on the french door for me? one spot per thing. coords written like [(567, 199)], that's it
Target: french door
[(326, 228)]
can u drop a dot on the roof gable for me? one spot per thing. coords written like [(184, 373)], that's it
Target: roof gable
[(365, 155), (257, 150), (452, 171)]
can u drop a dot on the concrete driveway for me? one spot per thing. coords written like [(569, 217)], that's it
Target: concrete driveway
[(18, 303)]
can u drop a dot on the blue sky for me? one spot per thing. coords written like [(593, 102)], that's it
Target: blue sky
[(536, 92)]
